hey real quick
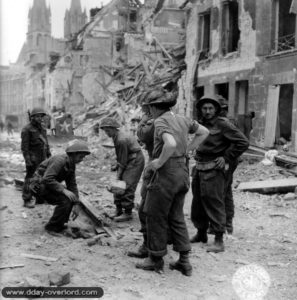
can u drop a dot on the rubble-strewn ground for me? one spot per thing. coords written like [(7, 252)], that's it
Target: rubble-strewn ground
[(265, 234)]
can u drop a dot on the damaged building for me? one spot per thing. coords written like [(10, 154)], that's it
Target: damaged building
[(246, 51)]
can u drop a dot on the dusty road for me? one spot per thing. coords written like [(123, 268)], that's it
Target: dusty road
[(260, 257)]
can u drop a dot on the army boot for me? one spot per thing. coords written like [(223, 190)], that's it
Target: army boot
[(117, 213), (218, 245), (182, 264), (126, 216), (200, 236), (30, 203), (152, 263), (141, 252)]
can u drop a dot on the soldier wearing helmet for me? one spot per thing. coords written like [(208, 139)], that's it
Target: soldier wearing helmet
[(224, 144), (130, 164), (168, 177), (47, 184), (35, 149)]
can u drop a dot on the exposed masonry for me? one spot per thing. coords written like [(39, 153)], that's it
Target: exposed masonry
[(243, 72)]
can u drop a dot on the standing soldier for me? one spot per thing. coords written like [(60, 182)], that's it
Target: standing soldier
[(130, 164), (145, 134), (229, 201), (224, 145), (46, 184), (35, 149), (169, 183)]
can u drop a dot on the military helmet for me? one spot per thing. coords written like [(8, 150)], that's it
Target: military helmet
[(109, 122), (209, 99), (160, 96), (37, 111), (78, 146)]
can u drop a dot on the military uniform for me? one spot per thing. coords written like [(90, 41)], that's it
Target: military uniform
[(35, 149), (46, 184), (130, 158), (145, 133), (168, 187), (209, 183)]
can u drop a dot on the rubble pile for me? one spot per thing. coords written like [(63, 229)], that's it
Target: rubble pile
[(127, 88)]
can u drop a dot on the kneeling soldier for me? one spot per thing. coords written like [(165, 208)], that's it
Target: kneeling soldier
[(46, 183)]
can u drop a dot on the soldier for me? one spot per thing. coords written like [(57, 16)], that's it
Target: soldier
[(224, 145), (46, 184), (228, 194), (168, 183), (35, 149), (145, 134), (130, 164)]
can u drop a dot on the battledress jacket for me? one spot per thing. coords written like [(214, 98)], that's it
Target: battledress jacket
[(52, 172), (34, 146)]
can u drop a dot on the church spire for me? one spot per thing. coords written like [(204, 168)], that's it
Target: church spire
[(39, 17), (74, 19)]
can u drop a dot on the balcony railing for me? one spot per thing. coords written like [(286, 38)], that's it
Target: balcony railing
[(285, 43)]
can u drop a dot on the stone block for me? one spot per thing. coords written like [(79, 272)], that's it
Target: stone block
[(59, 279)]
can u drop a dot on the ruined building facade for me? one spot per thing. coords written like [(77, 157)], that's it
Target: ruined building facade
[(246, 51)]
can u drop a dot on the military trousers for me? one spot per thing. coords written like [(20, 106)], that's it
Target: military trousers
[(229, 202), (208, 204), (26, 193), (62, 210), (131, 176), (164, 208)]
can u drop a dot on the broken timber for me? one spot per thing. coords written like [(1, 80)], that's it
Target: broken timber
[(39, 257), (269, 186), (94, 214), (12, 267)]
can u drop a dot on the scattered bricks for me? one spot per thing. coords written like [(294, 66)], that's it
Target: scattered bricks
[(290, 196), (59, 279)]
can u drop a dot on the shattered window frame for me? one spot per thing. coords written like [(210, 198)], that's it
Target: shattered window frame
[(230, 33), (204, 34), (283, 25)]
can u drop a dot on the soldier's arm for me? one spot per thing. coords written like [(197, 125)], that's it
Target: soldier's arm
[(72, 185), (239, 142), (122, 157), (25, 145), (50, 176), (201, 134)]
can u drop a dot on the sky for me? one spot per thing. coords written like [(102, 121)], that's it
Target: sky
[(14, 22)]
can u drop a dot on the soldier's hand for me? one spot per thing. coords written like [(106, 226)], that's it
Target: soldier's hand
[(71, 196), (220, 162), (75, 211), (154, 165)]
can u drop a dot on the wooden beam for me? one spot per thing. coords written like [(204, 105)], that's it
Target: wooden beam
[(269, 186), (39, 257), (94, 214)]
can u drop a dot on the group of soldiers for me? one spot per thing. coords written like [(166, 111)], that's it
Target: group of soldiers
[(169, 139)]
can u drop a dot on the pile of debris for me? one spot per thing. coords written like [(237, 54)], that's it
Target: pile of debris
[(126, 88)]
